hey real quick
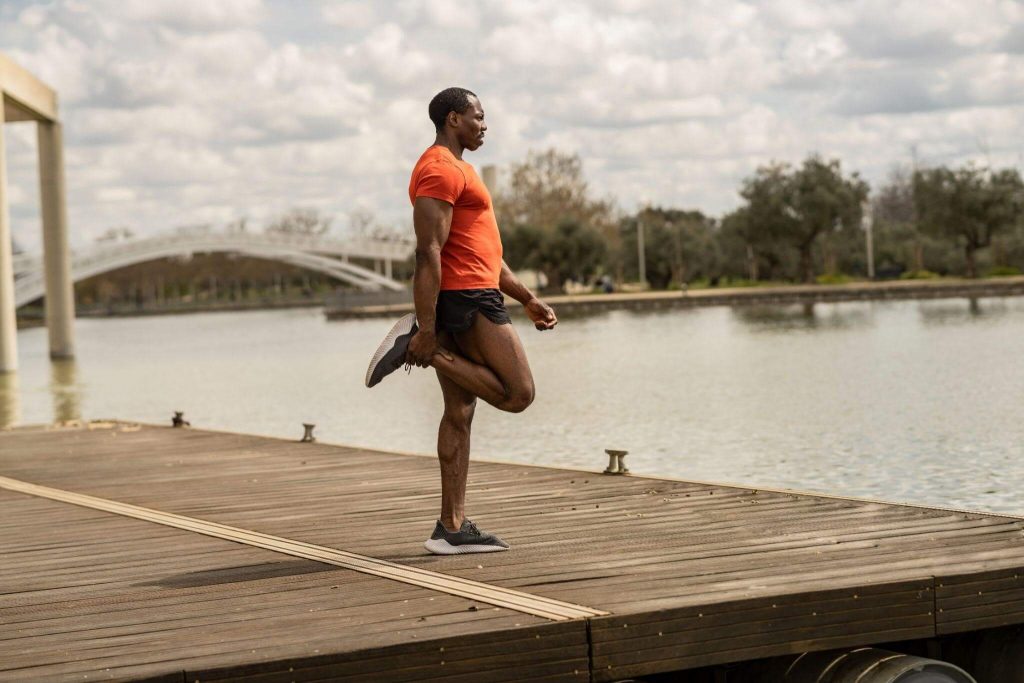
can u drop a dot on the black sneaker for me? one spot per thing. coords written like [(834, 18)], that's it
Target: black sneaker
[(468, 539), (390, 355)]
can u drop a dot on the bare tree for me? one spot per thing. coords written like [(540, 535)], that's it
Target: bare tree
[(300, 221)]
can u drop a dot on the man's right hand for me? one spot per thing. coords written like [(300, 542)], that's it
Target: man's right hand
[(422, 348)]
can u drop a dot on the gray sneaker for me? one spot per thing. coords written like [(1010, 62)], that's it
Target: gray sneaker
[(468, 539), (390, 355)]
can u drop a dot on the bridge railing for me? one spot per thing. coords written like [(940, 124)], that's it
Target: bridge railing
[(356, 247)]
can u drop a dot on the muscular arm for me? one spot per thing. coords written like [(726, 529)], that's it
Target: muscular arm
[(510, 284), (432, 220), (539, 312)]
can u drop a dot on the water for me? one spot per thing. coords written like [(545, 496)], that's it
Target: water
[(907, 401)]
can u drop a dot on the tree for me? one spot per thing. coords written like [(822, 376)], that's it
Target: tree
[(795, 207), (768, 215), (570, 252), (363, 223), (823, 202), (300, 221), (547, 206), (969, 204), (895, 223), (679, 245)]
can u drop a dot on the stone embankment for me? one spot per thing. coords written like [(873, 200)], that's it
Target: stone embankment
[(740, 296)]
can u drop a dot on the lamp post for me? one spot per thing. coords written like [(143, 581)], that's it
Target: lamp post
[(640, 255), (866, 222)]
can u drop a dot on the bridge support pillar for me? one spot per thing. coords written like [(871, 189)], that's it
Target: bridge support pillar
[(8, 323), (60, 291)]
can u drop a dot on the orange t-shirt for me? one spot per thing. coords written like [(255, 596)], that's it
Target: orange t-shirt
[(471, 258)]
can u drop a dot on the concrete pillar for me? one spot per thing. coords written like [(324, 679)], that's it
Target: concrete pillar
[(8, 323), (490, 173), (387, 268), (10, 405), (60, 290)]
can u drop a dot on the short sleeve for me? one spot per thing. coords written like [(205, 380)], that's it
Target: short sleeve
[(440, 180)]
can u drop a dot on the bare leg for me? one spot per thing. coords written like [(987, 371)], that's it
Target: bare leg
[(453, 449), (488, 358), (492, 365)]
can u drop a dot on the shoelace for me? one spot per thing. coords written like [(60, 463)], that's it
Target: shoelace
[(472, 528)]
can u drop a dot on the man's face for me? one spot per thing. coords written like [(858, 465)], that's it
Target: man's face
[(470, 126)]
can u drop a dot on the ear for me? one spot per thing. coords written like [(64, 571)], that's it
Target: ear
[(452, 119)]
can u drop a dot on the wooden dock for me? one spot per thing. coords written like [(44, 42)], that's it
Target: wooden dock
[(122, 568)]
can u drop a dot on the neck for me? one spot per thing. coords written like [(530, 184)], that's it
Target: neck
[(451, 143)]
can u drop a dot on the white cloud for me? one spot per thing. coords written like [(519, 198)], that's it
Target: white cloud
[(186, 15), (356, 15), (196, 111)]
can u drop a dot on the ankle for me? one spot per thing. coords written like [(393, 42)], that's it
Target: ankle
[(451, 524)]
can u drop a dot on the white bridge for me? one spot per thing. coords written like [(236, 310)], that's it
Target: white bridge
[(331, 257)]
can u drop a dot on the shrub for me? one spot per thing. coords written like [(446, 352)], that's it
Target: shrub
[(1002, 271), (918, 275), (832, 279)]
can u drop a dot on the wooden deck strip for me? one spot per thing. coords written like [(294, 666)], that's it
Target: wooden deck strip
[(650, 551)]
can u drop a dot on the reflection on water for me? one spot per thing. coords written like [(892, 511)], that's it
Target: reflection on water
[(910, 400), (65, 391), (10, 400), (808, 316), (965, 311)]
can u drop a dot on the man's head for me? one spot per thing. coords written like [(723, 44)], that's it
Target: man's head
[(457, 112)]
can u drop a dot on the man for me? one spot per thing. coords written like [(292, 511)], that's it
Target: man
[(461, 327)]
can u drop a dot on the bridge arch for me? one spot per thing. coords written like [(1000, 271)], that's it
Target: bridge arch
[(311, 253)]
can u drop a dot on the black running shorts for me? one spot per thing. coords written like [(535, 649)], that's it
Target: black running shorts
[(457, 308)]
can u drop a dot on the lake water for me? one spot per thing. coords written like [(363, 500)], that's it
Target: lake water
[(906, 401)]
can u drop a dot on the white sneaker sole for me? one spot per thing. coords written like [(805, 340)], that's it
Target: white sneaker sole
[(403, 326), (443, 547)]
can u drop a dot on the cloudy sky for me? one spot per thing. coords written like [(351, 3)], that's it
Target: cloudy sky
[(186, 112)]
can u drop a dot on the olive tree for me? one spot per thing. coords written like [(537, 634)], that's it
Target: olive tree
[(969, 204)]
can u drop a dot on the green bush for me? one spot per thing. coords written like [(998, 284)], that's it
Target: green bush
[(1002, 271), (919, 275), (833, 279)]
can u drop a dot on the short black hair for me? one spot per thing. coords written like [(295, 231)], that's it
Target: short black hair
[(448, 100)]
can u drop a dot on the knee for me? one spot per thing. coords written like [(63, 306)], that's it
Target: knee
[(518, 400), (460, 416)]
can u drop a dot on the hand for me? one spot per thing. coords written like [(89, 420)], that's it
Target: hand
[(422, 348), (541, 314)]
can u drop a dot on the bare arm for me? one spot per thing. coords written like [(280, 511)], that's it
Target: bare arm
[(432, 220), (510, 284), (539, 312)]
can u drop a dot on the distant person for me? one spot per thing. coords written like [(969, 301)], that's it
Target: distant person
[(461, 327)]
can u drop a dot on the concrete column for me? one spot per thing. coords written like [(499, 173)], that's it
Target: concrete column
[(387, 268), (490, 173), (8, 324), (60, 290)]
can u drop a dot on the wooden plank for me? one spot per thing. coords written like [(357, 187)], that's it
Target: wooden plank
[(517, 656), (157, 641), (523, 602), (977, 600)]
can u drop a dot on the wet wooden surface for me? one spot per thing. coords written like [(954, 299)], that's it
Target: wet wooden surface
[(693, 574)]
